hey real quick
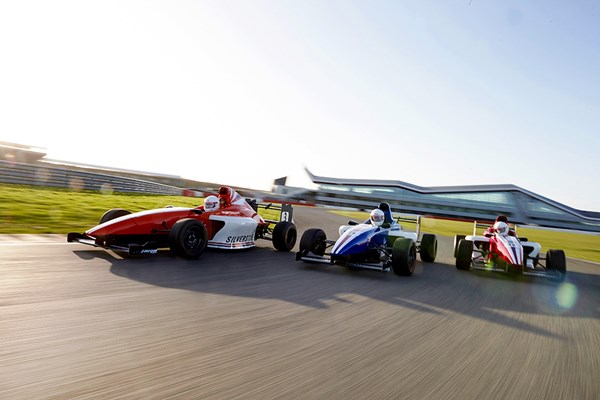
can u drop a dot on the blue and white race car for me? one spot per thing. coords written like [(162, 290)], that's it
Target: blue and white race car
[(380, 243)]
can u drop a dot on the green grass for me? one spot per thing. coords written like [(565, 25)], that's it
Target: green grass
[(27, 209), (575, 245)]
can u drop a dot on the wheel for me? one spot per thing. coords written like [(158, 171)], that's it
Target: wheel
[(404, 255), (463, 254), (428, 248), (457, 239), (284, 236), (313, 240), (556, 261), (112, 214), (188, 238)]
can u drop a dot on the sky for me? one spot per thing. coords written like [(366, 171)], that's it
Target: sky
[(433, 93)]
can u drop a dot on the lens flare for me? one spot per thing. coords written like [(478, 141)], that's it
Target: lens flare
[(76, 184), (566, 295), (106, 188)]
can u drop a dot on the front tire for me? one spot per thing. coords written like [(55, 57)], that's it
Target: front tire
[(428, 248), (556, 261), (314, 241), (404, 255), (463, 254), (457, 239), (112, 214), (188, 238), (284, 236)]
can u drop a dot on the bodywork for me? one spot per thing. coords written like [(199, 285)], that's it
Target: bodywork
[(236, 226), (507, 254), (370, 247)]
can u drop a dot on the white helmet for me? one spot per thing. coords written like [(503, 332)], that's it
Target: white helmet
[(377, 217), (501, 228), (211, 203)]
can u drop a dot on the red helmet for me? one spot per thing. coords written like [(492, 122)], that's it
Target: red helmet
[(224, 196), (502, 218)]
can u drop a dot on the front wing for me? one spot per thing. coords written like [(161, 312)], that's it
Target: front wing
[(130, 249), (326, 259), (479, 264)]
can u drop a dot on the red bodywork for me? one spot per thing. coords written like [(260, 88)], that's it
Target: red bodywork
[(160, 221), (505, 249), (187, 232)]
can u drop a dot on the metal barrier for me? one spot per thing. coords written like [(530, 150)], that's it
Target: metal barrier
[(47, 175)]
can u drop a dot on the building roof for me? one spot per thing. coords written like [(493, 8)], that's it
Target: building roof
[(465, 189)]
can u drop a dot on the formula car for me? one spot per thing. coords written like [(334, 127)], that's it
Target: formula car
[(187, 232), (502, 251), (379, 243)]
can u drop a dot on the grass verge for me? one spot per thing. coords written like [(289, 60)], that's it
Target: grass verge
[(27, 209)]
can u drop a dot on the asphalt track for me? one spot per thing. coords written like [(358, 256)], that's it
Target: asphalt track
[(83, 323)]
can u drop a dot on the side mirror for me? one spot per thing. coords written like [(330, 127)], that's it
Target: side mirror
[(352, 223)]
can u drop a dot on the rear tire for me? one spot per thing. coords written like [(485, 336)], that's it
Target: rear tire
[(428, 249), (314, 241), (112, 214), (463, 254), (556, 261), (457, 239), (284, 236), (404, 255), (188, 238)]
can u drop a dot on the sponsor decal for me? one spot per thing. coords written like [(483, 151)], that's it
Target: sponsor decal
[(236, 213), (238, 239), (149, 251)]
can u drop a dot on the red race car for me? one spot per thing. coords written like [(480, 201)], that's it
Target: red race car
[(500, 249), (225, 222)]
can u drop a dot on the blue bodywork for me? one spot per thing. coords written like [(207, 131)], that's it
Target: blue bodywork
[(359, 239)]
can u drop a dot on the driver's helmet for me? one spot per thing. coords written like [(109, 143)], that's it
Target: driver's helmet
[(377, 217), (501, 228), (211, 203)]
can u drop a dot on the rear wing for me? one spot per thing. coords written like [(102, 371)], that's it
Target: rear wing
[(480, 225), (285, 211), (413, 219), (485, 225)]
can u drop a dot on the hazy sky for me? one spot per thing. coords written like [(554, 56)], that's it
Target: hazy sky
[(433, 93)]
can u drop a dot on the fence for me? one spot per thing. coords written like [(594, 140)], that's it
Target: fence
[(48, 175)]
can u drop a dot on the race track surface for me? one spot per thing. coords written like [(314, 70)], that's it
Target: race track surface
[(83, 323)]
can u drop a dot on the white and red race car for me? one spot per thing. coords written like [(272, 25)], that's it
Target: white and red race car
[(505, 252), (187, 232)]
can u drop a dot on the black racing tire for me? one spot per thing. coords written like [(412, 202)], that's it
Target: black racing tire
[(404, 256), (457, 239), (314, 241), (428, 248), (463, 254), (188, 238), (112, 214), (556, 261), (284, 236)]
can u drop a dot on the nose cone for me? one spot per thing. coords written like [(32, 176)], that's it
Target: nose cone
[(510, 249), (354, 240), (115, 227)]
